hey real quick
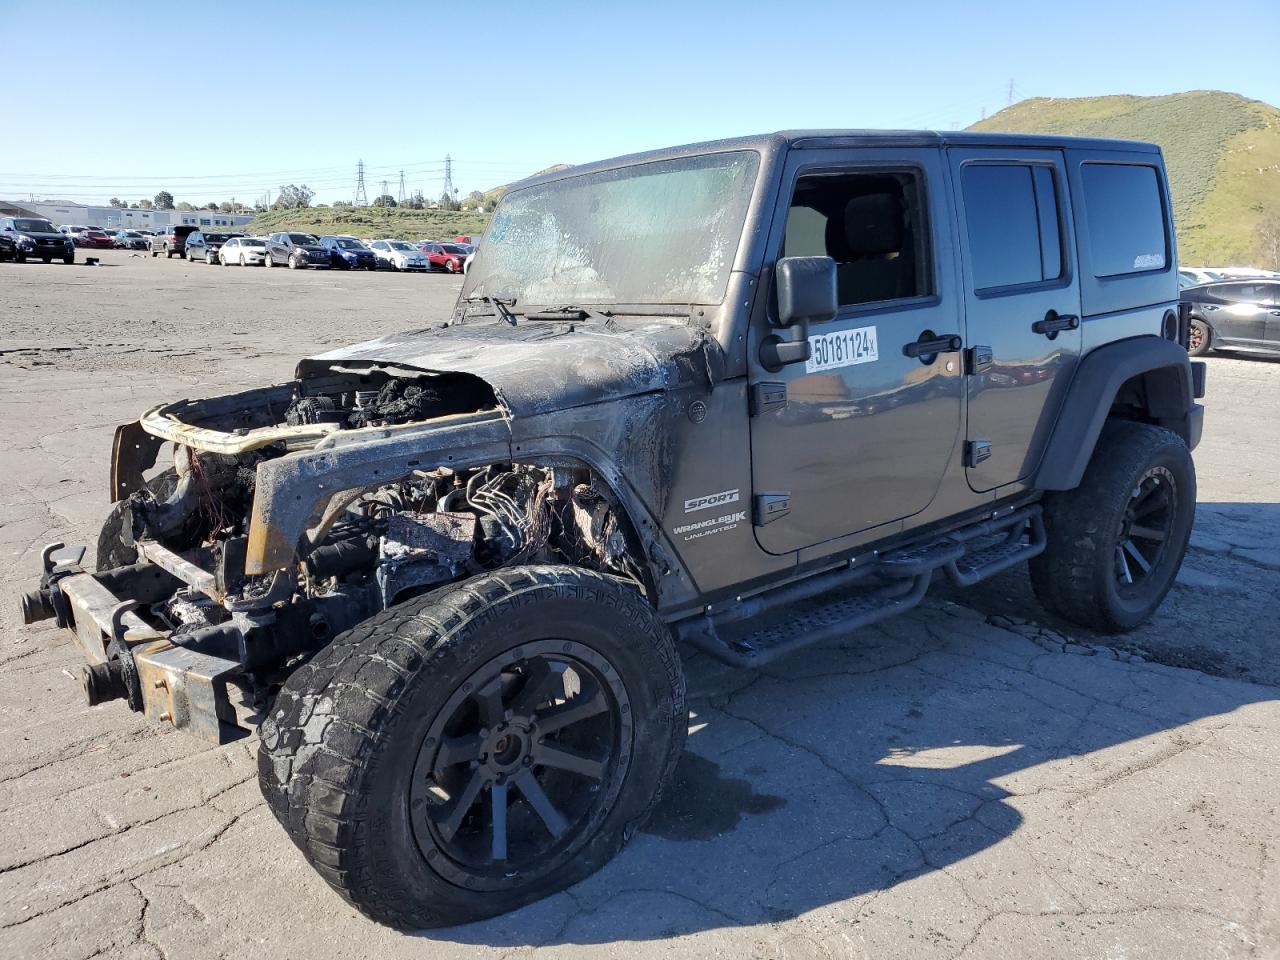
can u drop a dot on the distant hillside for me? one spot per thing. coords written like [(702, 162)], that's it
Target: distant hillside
[(496, 193), (1222, 152), (373, 222)]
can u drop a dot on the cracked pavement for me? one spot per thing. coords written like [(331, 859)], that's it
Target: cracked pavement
[(973, 779)]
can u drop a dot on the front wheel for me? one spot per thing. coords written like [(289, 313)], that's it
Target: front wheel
[(267, 261), (293, 263), (1200, 338), (1116, 541), (462, 754)]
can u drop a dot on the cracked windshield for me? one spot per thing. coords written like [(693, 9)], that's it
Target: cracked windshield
[(608, 237)]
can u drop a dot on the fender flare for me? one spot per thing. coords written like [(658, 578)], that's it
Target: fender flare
[(1158, 369)]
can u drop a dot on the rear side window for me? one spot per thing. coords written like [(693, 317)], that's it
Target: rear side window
[(1126, 218), (1012, 215)]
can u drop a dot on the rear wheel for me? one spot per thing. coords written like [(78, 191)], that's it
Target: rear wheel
[(1115, 543), (1200, 338), (465, 753)]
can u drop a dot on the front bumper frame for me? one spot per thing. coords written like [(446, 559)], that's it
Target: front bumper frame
[(168, 683)]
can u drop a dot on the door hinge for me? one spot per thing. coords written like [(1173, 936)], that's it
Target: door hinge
[(975, 451), (977, 359), (768, 507), (768, 395)]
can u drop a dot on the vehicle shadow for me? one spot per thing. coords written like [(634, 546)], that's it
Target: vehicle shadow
[(850, 769)]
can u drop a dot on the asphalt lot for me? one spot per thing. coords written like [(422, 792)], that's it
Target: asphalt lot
[(973, 779)]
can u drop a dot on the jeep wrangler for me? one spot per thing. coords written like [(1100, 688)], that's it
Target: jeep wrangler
[(446, 571)]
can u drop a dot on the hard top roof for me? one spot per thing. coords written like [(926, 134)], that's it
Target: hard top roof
[(816, 139)]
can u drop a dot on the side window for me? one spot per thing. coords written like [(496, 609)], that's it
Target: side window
[(1015, 234), (872, 224), (1126, 218)]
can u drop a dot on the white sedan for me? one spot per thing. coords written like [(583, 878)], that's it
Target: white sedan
[(243, 251), (398, 255)]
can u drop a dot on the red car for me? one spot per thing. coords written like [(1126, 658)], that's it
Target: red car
[(93, 238), (443, 256)]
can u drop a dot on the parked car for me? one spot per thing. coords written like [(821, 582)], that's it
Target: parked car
[(129, 240), (243, 251), (92, 238), (171, 241), (443, 256), (36, 237), (508, 527), (205, 246), (348, 253), (1193, 276), (71, 229), (296, 250), (399, 255), (1239, 315), (1245, 273)]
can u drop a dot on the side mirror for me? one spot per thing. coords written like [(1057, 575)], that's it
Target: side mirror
[(806, 289)]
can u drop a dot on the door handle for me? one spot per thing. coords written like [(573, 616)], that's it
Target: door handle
[(1054, 321), (931, 343)]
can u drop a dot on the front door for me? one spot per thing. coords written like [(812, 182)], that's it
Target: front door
[(860, 435), (1022, 305)]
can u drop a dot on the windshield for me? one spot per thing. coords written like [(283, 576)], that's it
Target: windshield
[(252, 243), (451, 248), (217, 237), (346, 243), (303, 238), (663, 232), (401, 245), (34, 226)]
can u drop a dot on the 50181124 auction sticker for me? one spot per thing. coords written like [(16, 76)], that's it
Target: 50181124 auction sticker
[(841, 348)]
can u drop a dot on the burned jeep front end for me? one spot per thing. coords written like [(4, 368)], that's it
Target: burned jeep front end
[(294, 512)]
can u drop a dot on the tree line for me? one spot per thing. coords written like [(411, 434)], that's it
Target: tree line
[(298, 197)]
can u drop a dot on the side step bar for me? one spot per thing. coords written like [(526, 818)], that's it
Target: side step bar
[(894, 584)]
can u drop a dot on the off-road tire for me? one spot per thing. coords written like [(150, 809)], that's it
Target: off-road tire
[(113, 551), (1202, 344), (338, 746), (1075, 576)]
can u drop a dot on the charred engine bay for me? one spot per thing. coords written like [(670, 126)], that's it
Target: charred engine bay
[(373, 545)]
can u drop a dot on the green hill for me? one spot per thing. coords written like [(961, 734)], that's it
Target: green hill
[(373, 222), (1221, 149), (370, 223)]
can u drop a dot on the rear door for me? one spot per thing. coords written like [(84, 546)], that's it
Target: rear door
[(1022, 305), (1245, 315)]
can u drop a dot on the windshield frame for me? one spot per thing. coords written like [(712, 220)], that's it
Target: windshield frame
[(736, 254)]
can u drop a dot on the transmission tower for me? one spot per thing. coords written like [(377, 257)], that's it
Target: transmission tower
[(385, 191), (449, 189), (400, 199), (362, 199), (1010, 103)]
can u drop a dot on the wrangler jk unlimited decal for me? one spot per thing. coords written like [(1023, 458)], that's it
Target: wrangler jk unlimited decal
[(705, 528)]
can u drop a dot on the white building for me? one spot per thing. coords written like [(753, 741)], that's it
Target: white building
[(114, 218)]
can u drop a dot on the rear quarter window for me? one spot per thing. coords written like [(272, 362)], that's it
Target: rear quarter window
[(1126, 218)]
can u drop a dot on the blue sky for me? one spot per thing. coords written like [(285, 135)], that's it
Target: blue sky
[(134, 105)]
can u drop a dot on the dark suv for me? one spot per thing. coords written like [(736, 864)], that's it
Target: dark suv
[(450, 567), (205, 246), (171, 241), (37, 238), (296, 250)]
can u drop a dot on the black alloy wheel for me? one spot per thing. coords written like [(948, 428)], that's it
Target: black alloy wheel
[(520, 764), (1145, 527)]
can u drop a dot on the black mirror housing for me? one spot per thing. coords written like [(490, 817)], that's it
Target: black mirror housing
[(806, 289)]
